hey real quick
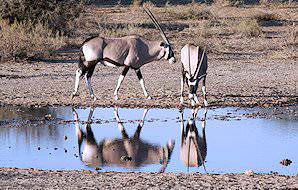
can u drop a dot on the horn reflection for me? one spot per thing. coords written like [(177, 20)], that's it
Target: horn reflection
[(126, 152), (193, 148)]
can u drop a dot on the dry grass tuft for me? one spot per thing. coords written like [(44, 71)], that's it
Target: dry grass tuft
[(19, 40), (137, 3), (228, 2), (193, 12), (266, 16), (54, 14), (248, 28)]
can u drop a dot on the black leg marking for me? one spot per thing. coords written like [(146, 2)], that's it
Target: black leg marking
[(139, 74), (90, 72), (125, 70)]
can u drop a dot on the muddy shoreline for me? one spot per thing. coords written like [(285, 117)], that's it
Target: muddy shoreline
[(12, 178)]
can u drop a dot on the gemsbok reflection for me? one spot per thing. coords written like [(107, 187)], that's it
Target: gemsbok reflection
[(193, 148), (127, 152)]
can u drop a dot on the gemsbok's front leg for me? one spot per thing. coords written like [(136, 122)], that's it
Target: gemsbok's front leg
[(88, 82), (120, 79), (141, 80), (120, 124), (204, 92)]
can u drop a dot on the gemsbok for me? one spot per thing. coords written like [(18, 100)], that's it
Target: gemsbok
[(193, 148), (130, 52), (127, 152), (194, 68)]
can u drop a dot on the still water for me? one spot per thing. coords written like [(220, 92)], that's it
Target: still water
[(227, 140)]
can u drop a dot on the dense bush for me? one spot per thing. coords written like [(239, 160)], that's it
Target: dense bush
[(55, 14)]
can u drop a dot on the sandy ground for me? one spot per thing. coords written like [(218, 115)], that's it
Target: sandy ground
[(229, 82), (37, 179)]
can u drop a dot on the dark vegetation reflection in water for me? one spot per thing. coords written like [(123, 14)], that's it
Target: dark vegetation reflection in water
[(112, 139)]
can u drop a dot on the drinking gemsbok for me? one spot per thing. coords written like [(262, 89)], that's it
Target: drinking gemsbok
[(194, 67)]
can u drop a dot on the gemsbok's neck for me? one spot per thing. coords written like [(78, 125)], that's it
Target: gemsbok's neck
[(156, 52)]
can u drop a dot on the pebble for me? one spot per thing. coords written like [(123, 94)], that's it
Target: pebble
[(286, 162), (249, 172)]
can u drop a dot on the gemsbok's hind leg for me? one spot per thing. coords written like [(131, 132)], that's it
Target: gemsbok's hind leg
[(79, 74), (204, 92), (141, 80), (88, 82), (120, 79)]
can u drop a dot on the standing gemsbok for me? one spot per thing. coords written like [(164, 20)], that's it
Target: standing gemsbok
[(194, 68), (128, 52)]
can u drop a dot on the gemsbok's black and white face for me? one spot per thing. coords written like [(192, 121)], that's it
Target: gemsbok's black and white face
[(169, 53)]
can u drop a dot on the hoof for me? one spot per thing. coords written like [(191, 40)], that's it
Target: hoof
[(193, 103), (181, 101), (73, 95), (205, 103), (171, 144), (94, 98)]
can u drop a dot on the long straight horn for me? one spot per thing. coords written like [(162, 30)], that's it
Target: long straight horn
[(163, 35)]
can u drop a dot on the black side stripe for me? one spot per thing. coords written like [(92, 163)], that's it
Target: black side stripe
[(200, 64), (111, 61)]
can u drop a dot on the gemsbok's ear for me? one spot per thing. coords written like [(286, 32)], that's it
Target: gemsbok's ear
[(162, 44)]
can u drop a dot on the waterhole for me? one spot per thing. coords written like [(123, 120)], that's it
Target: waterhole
[(217, 140)]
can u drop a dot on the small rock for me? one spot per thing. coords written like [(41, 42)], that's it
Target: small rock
[(55, 148), (48, 116), (286, 162), (65, 137), (38, 148), (86, 171), (126, 158), (274, 173), (65, 150), (249, 172)]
